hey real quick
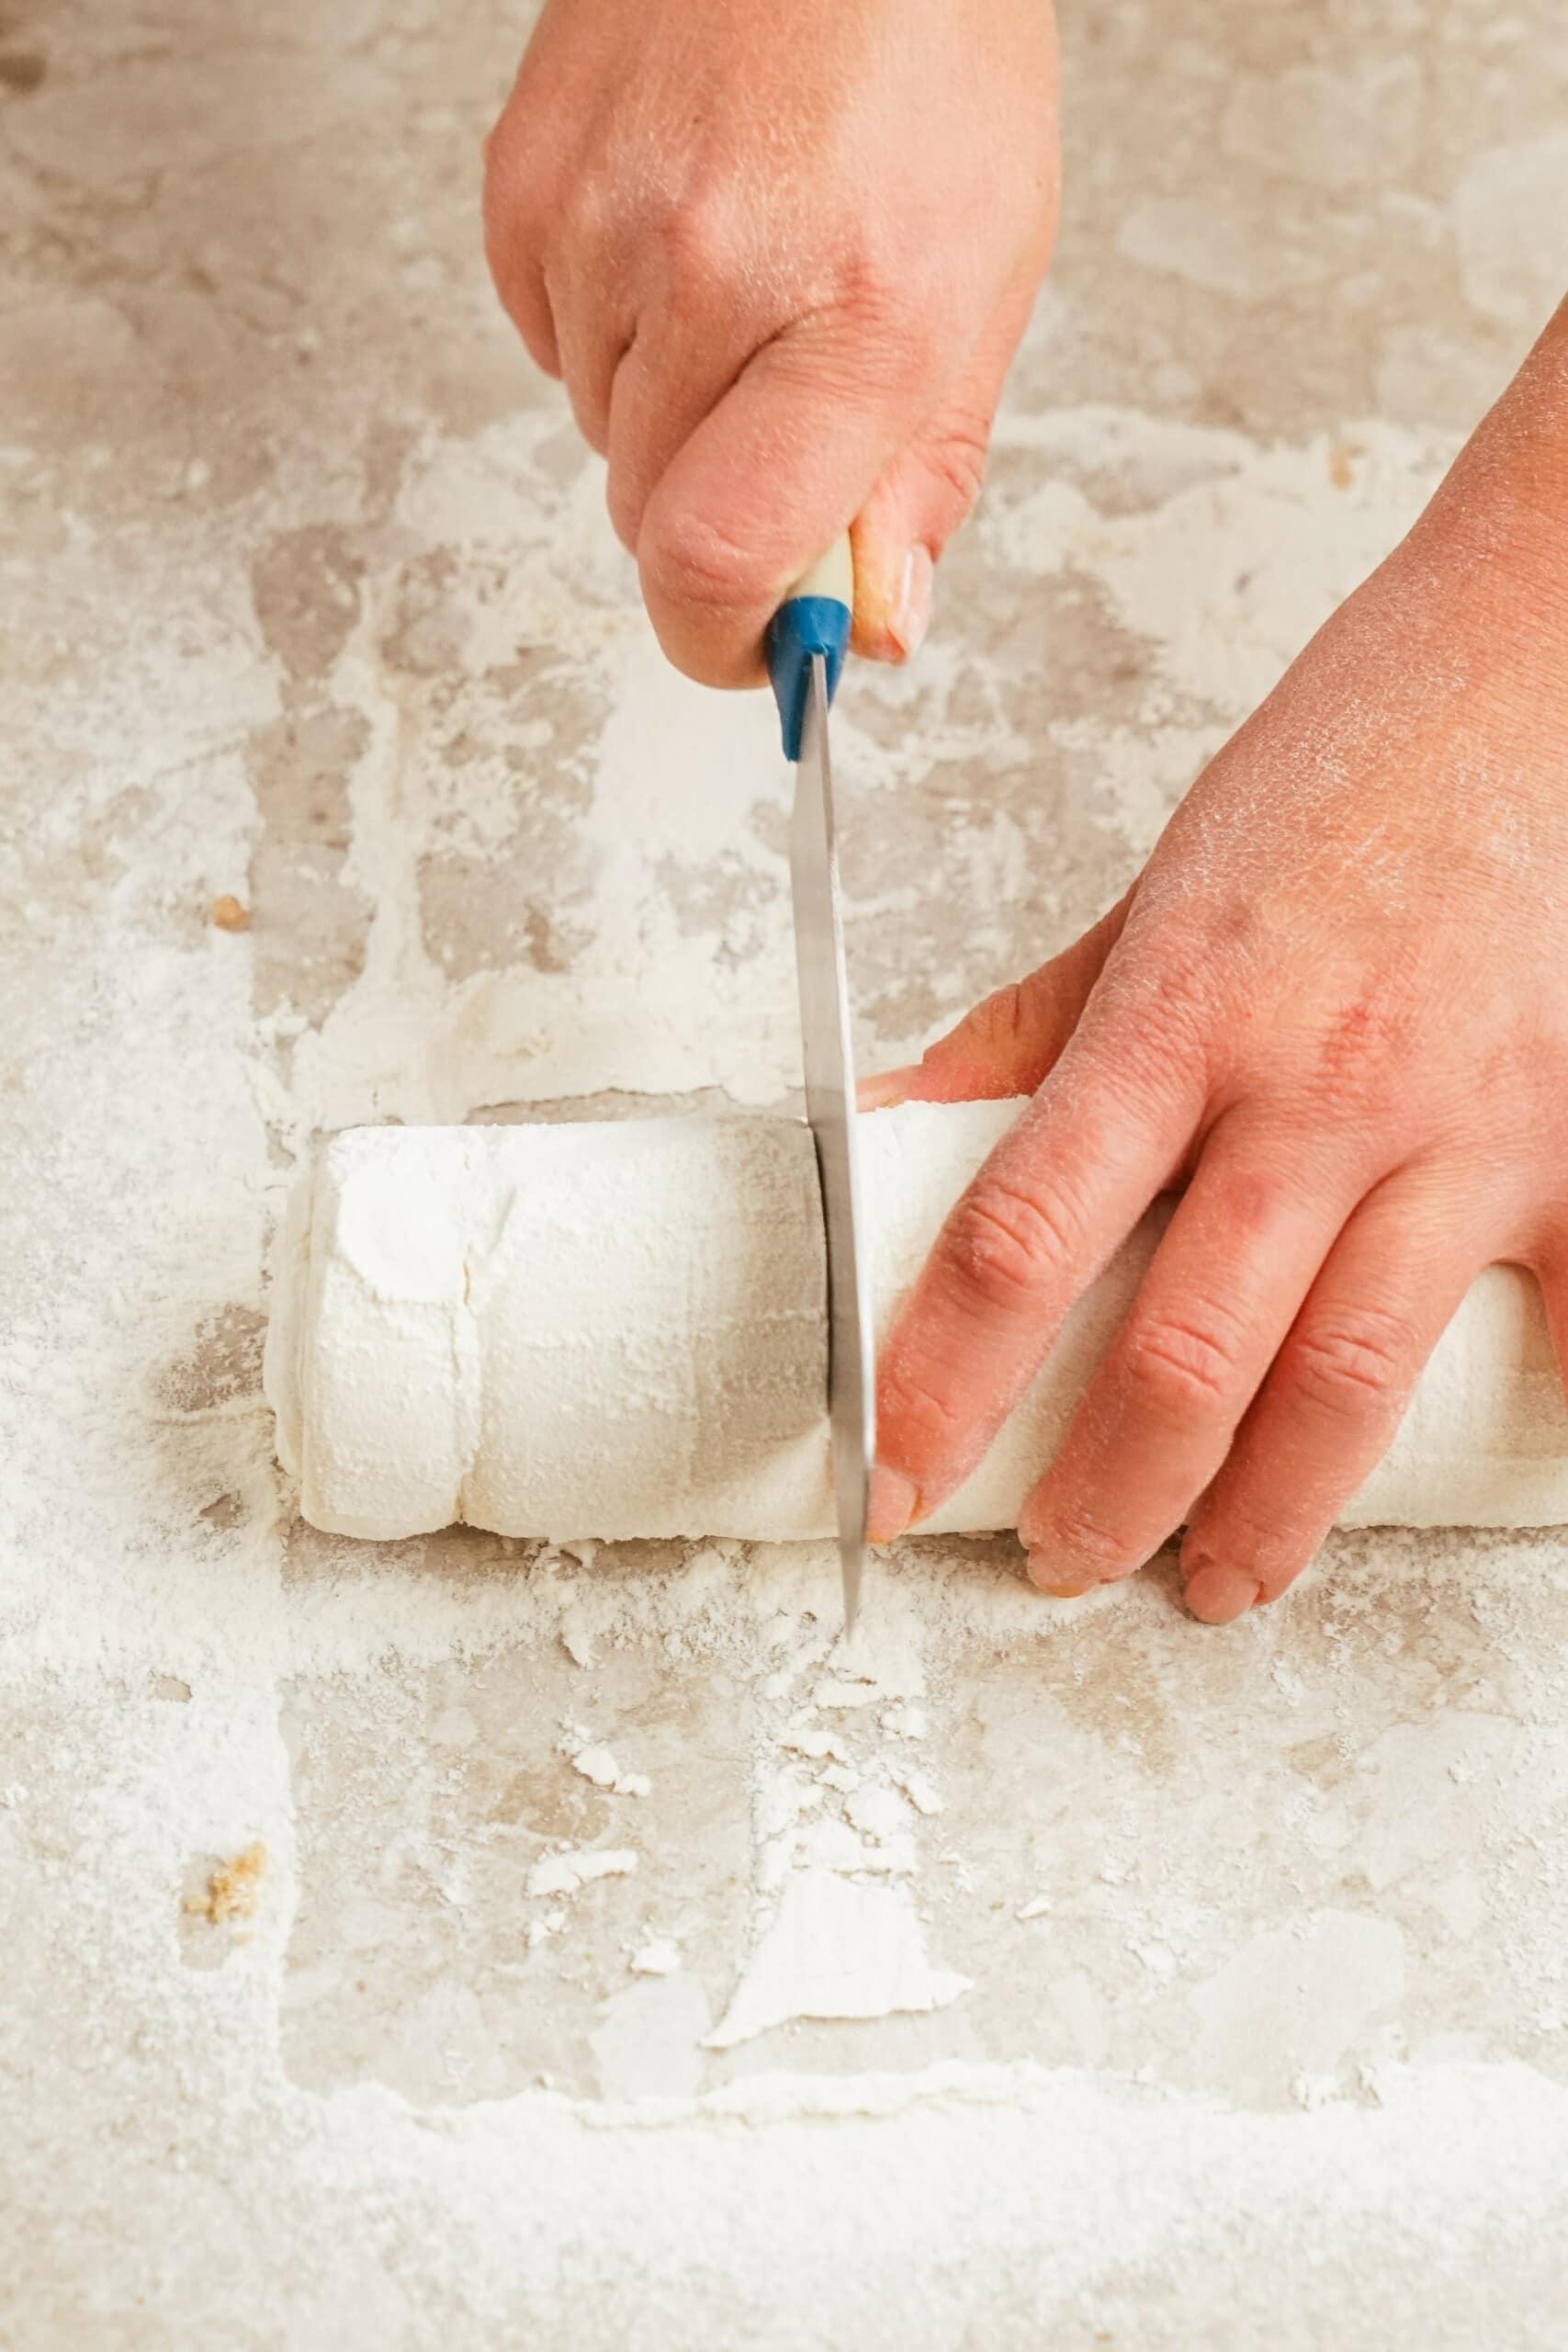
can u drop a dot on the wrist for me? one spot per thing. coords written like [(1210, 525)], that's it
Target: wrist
[(1503, 508)]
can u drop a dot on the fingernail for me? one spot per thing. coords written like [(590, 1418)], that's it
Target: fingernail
[(911, 613), (1217, 1595), (891, 1505), (885, 1087), (1053, 1577)]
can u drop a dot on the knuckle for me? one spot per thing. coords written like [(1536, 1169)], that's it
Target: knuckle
[(494, 192), (1272, 1540), (988, 1039), (699, 242), (1166, 1008), (625, 501), (1183, 1366), (1254, 1198), (1009, 1011), (1001, 1047), (1008, 1246), (518, 167), (1182, 1012), (585, 215), (1082, 1534), (500, 154), (957, 458), (507, 220), (998, 1018), (1367, 1036), (1354, 1367), (903, 327), (691, 560), (908, 1400)]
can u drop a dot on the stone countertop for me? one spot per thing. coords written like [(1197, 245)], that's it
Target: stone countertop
[(340, 781)]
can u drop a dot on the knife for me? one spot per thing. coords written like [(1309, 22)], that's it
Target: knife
[(805, 643)]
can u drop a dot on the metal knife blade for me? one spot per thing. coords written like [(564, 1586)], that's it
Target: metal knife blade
[(830, 1109)]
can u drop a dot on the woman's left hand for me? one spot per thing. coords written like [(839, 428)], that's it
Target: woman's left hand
[(1334, 1008)]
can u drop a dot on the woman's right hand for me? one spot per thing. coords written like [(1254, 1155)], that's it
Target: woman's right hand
[(782, 256)]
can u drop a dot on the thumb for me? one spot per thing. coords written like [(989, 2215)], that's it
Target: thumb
[(928, 490), (905, 523), (1011, 1039), (767, 479)]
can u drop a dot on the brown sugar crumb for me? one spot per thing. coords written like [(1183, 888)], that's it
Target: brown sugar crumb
[(232, 1889), (1342, 455), (228, 914)]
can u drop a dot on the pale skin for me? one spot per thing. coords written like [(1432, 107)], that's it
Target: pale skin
[(1333, 1009)]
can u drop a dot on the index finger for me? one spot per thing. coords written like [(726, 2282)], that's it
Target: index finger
[(1107, 1131)]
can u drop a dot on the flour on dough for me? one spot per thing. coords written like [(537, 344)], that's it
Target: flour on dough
[(617, 1329)]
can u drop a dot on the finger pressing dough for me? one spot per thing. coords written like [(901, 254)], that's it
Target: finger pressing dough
[(617, 1329)]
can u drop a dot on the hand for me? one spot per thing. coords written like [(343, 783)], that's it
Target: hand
[(781, 257), (1334, 1007)]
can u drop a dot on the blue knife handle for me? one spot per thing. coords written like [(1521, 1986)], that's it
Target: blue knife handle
[(814, 618)]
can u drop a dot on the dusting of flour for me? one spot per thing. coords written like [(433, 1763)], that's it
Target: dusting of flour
[(151, 1547)]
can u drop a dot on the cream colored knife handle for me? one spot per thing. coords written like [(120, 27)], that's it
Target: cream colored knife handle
[(832, 575)]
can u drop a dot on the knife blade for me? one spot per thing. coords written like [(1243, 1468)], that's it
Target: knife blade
[(805, 646)]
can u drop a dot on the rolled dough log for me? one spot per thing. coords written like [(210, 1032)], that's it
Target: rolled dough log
[(617, 1329)]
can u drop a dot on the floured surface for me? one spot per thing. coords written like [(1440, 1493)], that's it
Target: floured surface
[(308, 601), (837, 1947)]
